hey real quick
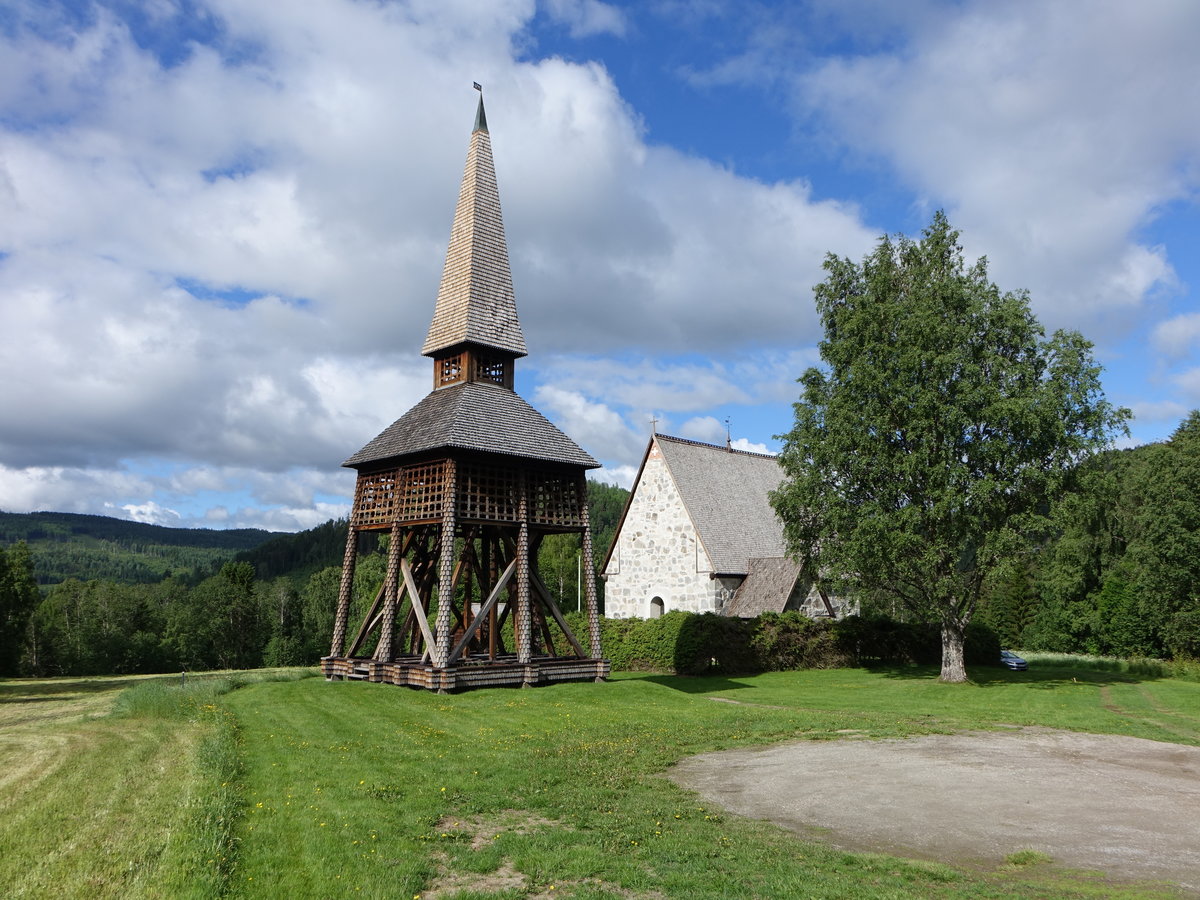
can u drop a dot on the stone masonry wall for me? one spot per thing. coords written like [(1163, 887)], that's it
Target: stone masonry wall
[(659, 554)]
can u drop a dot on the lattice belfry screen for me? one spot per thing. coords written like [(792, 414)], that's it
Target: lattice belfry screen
[(555, 499), (374, 500), (490, 368), (412, 494), (450, 370), (421, 492), (417, 493), (488, 494)]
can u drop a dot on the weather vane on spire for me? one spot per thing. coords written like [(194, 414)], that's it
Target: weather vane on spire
[(480, 115)]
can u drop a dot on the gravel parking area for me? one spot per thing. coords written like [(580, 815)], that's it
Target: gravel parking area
[(1127, 807)]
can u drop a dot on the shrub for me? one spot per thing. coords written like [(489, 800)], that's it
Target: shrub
[(878, 639), (702, 643), (791, 640)]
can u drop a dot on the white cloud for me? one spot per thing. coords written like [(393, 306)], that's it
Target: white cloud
[(1051, 137), (1189, 383), (751, 446), (586, 18), (282, 518), (703, 428), (683, 386), (593, 425), (151, 513), (65, 489), (1179, 336), (1158, 411), (621, 476)]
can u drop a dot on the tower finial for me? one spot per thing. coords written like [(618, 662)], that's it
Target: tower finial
[(480, 116), (728, 434)]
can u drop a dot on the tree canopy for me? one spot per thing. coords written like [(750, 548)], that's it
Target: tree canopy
[(18, 599), (1123, 576), (926, 450)]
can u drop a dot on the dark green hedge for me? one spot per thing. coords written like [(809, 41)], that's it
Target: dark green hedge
[(696, 644)]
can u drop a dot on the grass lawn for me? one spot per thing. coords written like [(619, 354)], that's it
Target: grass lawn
[(88, 802), (307, 789)]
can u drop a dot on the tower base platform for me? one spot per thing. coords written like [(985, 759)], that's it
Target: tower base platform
[(466, 674)]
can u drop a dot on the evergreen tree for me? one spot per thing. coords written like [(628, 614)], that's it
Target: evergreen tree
[(1133, 519), (18, 600)]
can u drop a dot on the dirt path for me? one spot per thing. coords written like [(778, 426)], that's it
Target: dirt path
[(1123, 806)]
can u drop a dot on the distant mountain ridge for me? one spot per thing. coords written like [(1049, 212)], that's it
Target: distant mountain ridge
[(75, 545)]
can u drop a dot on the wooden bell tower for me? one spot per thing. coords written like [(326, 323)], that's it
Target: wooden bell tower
[(467, 483)]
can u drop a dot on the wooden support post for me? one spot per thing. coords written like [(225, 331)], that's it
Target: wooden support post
[(418, 607), (544, 592), (489, 606), (446, 569), (589, 575), (345, 591), (523, 626), (383, 652)]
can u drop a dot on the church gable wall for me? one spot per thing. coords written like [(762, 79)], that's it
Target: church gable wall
[(658, 554)]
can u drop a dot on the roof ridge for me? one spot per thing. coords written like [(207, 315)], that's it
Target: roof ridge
[(723, 449)]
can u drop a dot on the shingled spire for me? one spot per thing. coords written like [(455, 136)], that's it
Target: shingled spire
[(475, 334)]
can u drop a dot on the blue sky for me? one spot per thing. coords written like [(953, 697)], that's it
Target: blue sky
[(222, 224)]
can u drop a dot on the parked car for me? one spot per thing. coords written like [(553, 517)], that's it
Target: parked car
[(1010, 660)]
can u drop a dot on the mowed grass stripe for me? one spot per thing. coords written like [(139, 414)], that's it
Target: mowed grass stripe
[(370, 790), (88, 807), (1142, 704)]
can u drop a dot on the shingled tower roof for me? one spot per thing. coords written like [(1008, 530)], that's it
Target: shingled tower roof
[(475, 302), (482, 417)]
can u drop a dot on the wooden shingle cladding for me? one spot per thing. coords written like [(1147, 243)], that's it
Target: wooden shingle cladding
[(476, 303), (474, 416), (768, 586)]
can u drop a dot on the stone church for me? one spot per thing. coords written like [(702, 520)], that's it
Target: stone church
[(699, 534)]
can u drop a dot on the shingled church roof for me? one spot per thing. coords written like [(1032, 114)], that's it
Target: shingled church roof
[(474, 416), (725, 492), (475, 302), (768, 585)]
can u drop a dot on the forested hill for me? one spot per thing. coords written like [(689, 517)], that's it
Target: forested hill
[(299, 555), (101, 548), (70, 545)]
